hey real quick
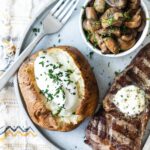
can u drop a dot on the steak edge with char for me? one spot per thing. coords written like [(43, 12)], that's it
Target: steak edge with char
[(109, 129)]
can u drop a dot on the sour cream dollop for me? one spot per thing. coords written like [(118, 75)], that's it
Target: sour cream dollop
[(60, 80), (130, 100)]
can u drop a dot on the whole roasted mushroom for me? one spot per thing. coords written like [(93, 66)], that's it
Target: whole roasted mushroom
[(117, 3), (134, 4), (135, 21), (129, 35), (126, 45), (109, 31), (91, 13), (112, 45), (111, 17), (99, 5), (91, 25), (97, 40)]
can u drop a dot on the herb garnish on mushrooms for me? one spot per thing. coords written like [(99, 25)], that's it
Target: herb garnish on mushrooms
[(100, 18)]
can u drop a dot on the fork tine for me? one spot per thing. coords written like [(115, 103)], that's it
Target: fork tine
[(68, 15), (57, 5), (65, 15), (61, 8)]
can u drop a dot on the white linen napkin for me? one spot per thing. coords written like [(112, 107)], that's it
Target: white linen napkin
[(15, 132)]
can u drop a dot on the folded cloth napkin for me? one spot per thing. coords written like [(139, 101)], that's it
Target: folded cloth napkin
[(15, 132)]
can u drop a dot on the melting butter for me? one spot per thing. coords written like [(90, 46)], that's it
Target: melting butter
[(130, 100)]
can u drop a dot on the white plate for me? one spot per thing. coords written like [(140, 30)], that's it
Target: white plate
[(104, 69)]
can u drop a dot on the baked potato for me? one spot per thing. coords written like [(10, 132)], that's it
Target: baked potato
[(58, 87)]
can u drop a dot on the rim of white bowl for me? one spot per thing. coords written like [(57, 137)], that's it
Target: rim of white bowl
[(134, 48)]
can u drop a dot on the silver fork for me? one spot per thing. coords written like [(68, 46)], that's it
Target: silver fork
[(53, 22)]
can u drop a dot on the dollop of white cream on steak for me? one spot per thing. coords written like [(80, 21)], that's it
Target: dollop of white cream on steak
[(61, 82), (130, 100)]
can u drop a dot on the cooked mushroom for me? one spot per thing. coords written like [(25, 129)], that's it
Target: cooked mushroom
[(136, 20), (127, 15), (112, 45), (99, 5), (127, 37), (114, 27), (104, 48), (117, 3), (107, 32), (97, 40), (126, 45), (118, 15), (91, 13), (134, 4), (112, 17), (116, 32), (91, 25)]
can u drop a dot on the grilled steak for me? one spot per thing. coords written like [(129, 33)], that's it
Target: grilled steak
[(110, 129)]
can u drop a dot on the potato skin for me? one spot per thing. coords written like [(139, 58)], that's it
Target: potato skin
[(34, 98)]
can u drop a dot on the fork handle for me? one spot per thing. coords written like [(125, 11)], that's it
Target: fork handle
[(18, 61)]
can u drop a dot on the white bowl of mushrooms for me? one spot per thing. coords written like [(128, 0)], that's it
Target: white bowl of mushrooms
[(114, 28)]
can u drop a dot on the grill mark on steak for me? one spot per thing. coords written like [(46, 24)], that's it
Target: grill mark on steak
[(111, 135), (124, 80), (119, 138), (135, 122), (102, 128), (98, 146), (142, 75), (136, 79), (112, 138), (108, 104), (124, 130), (142, 67), (94, 125), (114, 89), (124, 127), (121, 147), (147, 54), (146, 62), (147, 91), (114, 130)]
